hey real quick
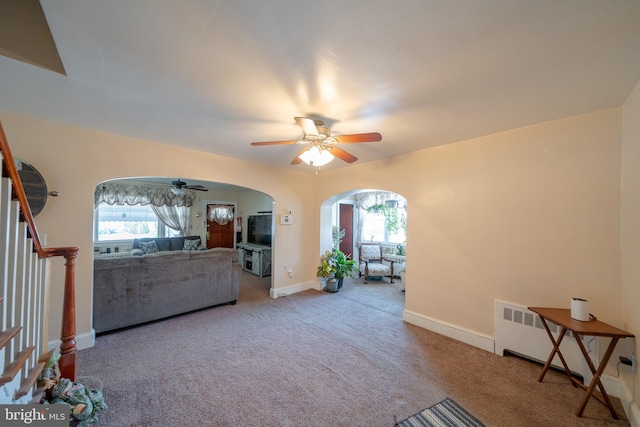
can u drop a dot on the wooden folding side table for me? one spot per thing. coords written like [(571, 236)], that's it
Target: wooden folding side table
[(562, 317)]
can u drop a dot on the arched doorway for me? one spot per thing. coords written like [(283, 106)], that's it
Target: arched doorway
[(242, 203), (350, 212)]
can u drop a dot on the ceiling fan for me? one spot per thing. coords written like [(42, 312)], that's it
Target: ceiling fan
[(181, 187), (320, 146)]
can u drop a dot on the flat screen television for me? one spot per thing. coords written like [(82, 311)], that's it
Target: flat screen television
[(259, 229)]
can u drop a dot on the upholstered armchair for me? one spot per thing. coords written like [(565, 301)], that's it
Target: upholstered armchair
[(373, 263)]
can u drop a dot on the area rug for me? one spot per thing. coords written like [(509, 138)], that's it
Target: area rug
[(444, 414)]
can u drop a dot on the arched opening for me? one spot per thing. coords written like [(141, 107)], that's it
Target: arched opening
[(374, 218), (162, 219)]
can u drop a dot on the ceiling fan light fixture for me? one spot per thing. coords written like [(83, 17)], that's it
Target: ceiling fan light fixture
[(178, 191), (321, 147), (316, 156)]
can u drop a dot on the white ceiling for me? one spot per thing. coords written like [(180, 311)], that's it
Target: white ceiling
[(215, 75)]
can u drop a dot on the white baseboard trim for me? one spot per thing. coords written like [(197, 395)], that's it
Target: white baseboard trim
[(634, 415), (474, 338), (292, 289), (616, 387), (86, 340)]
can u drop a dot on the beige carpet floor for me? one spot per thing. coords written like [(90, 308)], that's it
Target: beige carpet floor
[(315, 359)]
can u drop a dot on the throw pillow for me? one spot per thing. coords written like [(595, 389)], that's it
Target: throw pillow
[(149, 247), (191, 245)]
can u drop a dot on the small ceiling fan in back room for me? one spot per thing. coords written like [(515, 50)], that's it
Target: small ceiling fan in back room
[(320, 147), (181, 187)]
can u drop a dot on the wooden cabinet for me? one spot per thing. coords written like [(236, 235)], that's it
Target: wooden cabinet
[(255, 259)]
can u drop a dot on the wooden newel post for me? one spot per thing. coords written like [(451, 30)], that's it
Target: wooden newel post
[(68, 351)]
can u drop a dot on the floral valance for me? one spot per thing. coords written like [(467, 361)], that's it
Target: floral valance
[(374, 198), (118, 194)]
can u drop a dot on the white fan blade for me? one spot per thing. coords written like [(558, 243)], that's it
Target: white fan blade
[(307, 125)]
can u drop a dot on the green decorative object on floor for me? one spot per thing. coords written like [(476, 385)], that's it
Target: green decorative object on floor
[(445, 413), (84, 404)]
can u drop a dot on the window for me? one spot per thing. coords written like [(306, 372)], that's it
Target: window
[(383, 224), (124, 222)]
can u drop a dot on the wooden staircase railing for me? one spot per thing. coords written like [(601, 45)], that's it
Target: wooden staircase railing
[(23, 257)]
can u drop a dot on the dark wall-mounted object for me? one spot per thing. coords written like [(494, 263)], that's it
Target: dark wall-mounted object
[(259, 229), (34, 185)]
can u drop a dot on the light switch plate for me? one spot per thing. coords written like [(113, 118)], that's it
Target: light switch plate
[(286, 219)]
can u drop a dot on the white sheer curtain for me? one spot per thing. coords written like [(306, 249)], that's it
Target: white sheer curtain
[(221, 214), (361, 215), (174, 217)]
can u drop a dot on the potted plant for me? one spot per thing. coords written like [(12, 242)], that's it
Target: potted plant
[(325, 269), (335, 266)]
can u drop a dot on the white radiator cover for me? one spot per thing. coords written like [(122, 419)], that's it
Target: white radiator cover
[(520, 331)]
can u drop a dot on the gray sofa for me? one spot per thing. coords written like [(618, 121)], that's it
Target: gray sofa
[(165, 243), (130, 290)]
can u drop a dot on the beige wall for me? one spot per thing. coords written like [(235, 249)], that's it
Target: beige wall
[(74, 160), (631, 229), (529, 216)]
